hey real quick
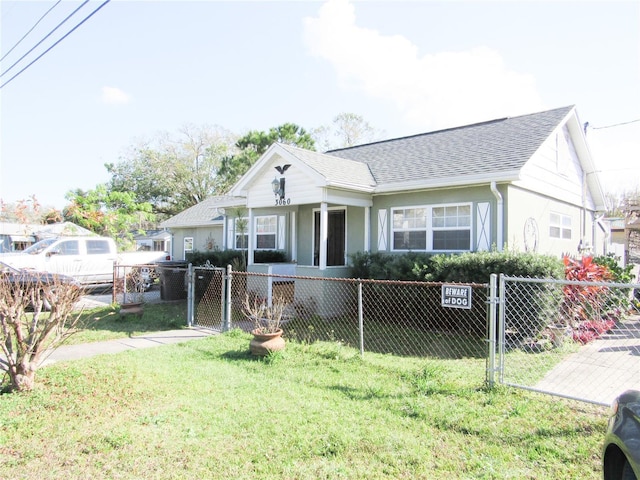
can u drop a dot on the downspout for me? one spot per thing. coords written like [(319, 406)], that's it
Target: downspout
[(500, 212)]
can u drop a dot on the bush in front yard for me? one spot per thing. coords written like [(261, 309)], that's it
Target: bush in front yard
[(477, 267)]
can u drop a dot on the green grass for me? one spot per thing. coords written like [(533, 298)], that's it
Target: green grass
[(105, 323), (207, 409)]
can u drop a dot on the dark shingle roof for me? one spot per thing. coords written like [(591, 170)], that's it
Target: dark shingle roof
[(204, 213), (497, 146), (334, 169)]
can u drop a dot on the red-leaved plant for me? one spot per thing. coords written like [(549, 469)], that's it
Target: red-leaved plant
[(583, 306)]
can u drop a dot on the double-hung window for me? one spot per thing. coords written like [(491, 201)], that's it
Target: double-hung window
[(560, 226), (451, 227), (410, 229), (428, 228), (241, 235), (266, 232)]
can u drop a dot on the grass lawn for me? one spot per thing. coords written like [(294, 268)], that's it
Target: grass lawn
[(105, 323), (206, 409)]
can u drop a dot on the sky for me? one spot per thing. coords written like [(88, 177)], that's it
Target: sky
[(136, 69)]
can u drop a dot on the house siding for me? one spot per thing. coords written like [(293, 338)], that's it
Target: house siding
[(204, 238), (554, 170), (525, 205)]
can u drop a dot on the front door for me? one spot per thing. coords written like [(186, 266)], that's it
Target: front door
[(336, 229)]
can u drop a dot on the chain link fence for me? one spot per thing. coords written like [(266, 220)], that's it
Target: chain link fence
[(166, 281), (400, 318), (579, 340)]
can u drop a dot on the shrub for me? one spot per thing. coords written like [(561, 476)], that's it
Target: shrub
[(384, 266), (222, 258), (477, 267)]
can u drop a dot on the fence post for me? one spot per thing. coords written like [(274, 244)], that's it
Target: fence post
[(190, 296), (501, 324), (492, 317), (360, 318), (114, 295), (227, 304)]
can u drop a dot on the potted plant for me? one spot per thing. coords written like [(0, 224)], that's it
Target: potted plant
[(267, 324)]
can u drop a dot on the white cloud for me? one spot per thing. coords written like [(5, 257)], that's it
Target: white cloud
[(432, 91), (114, 96)]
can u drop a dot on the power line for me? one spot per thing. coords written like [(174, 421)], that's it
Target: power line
[(30, 30), (65, 36), (616, 125), (47, 36)]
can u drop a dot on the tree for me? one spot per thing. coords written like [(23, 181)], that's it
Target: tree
[(173, 173), (618, 201), (27, 331), (23, 211), (109, 213), (252, 145), (347, 130)]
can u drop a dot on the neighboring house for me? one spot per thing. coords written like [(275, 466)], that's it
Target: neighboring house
[(527, 183), (202, 226), (153, 240), (18, 236)]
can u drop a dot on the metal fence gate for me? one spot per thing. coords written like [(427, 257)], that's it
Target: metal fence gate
[(579, 340), (206, 297)]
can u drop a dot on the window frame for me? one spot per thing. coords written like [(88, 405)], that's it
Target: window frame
[(429, 229), (237, 234), (257, 233), (561, 226), (187, 241)]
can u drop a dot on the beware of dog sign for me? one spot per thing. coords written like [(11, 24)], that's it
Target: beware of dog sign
[(456, 296)]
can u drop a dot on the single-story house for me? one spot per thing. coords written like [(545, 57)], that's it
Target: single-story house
[(15, 237), (153, 240), (526, 183)]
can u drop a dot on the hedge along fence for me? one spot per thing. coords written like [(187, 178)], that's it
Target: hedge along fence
[(539, 303)]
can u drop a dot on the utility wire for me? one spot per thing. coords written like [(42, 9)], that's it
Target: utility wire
[(47, 36), (30, 30), (65, 36), (617, 124)]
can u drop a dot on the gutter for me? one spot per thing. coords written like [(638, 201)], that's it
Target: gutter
[(500, 201)]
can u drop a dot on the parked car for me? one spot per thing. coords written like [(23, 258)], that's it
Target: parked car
[(621, 451), (21, 279), (90, 260)]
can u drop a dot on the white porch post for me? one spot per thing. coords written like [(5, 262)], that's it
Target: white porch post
[(250, 239), (294, 238), (324, 224), (367, 229)]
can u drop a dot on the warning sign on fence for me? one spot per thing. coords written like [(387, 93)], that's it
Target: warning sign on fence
[(456, 296)]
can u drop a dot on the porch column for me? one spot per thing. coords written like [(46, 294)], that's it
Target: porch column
[(250, 228), (324, 223), (367, 229), (294, 238)]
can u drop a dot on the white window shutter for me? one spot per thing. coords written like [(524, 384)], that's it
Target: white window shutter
[(382, 230), (483, 226), (231, 244), (280, 245)]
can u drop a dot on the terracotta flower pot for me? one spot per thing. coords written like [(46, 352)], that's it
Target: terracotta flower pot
[(132, 308), (264, 343)]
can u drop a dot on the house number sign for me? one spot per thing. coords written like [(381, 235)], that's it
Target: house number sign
[(280, 202), (456, 296)]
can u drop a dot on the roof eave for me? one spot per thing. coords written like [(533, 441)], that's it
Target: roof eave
[(448, 182), (351, 186)]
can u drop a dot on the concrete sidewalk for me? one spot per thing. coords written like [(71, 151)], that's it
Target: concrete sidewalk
[(152, 339)]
